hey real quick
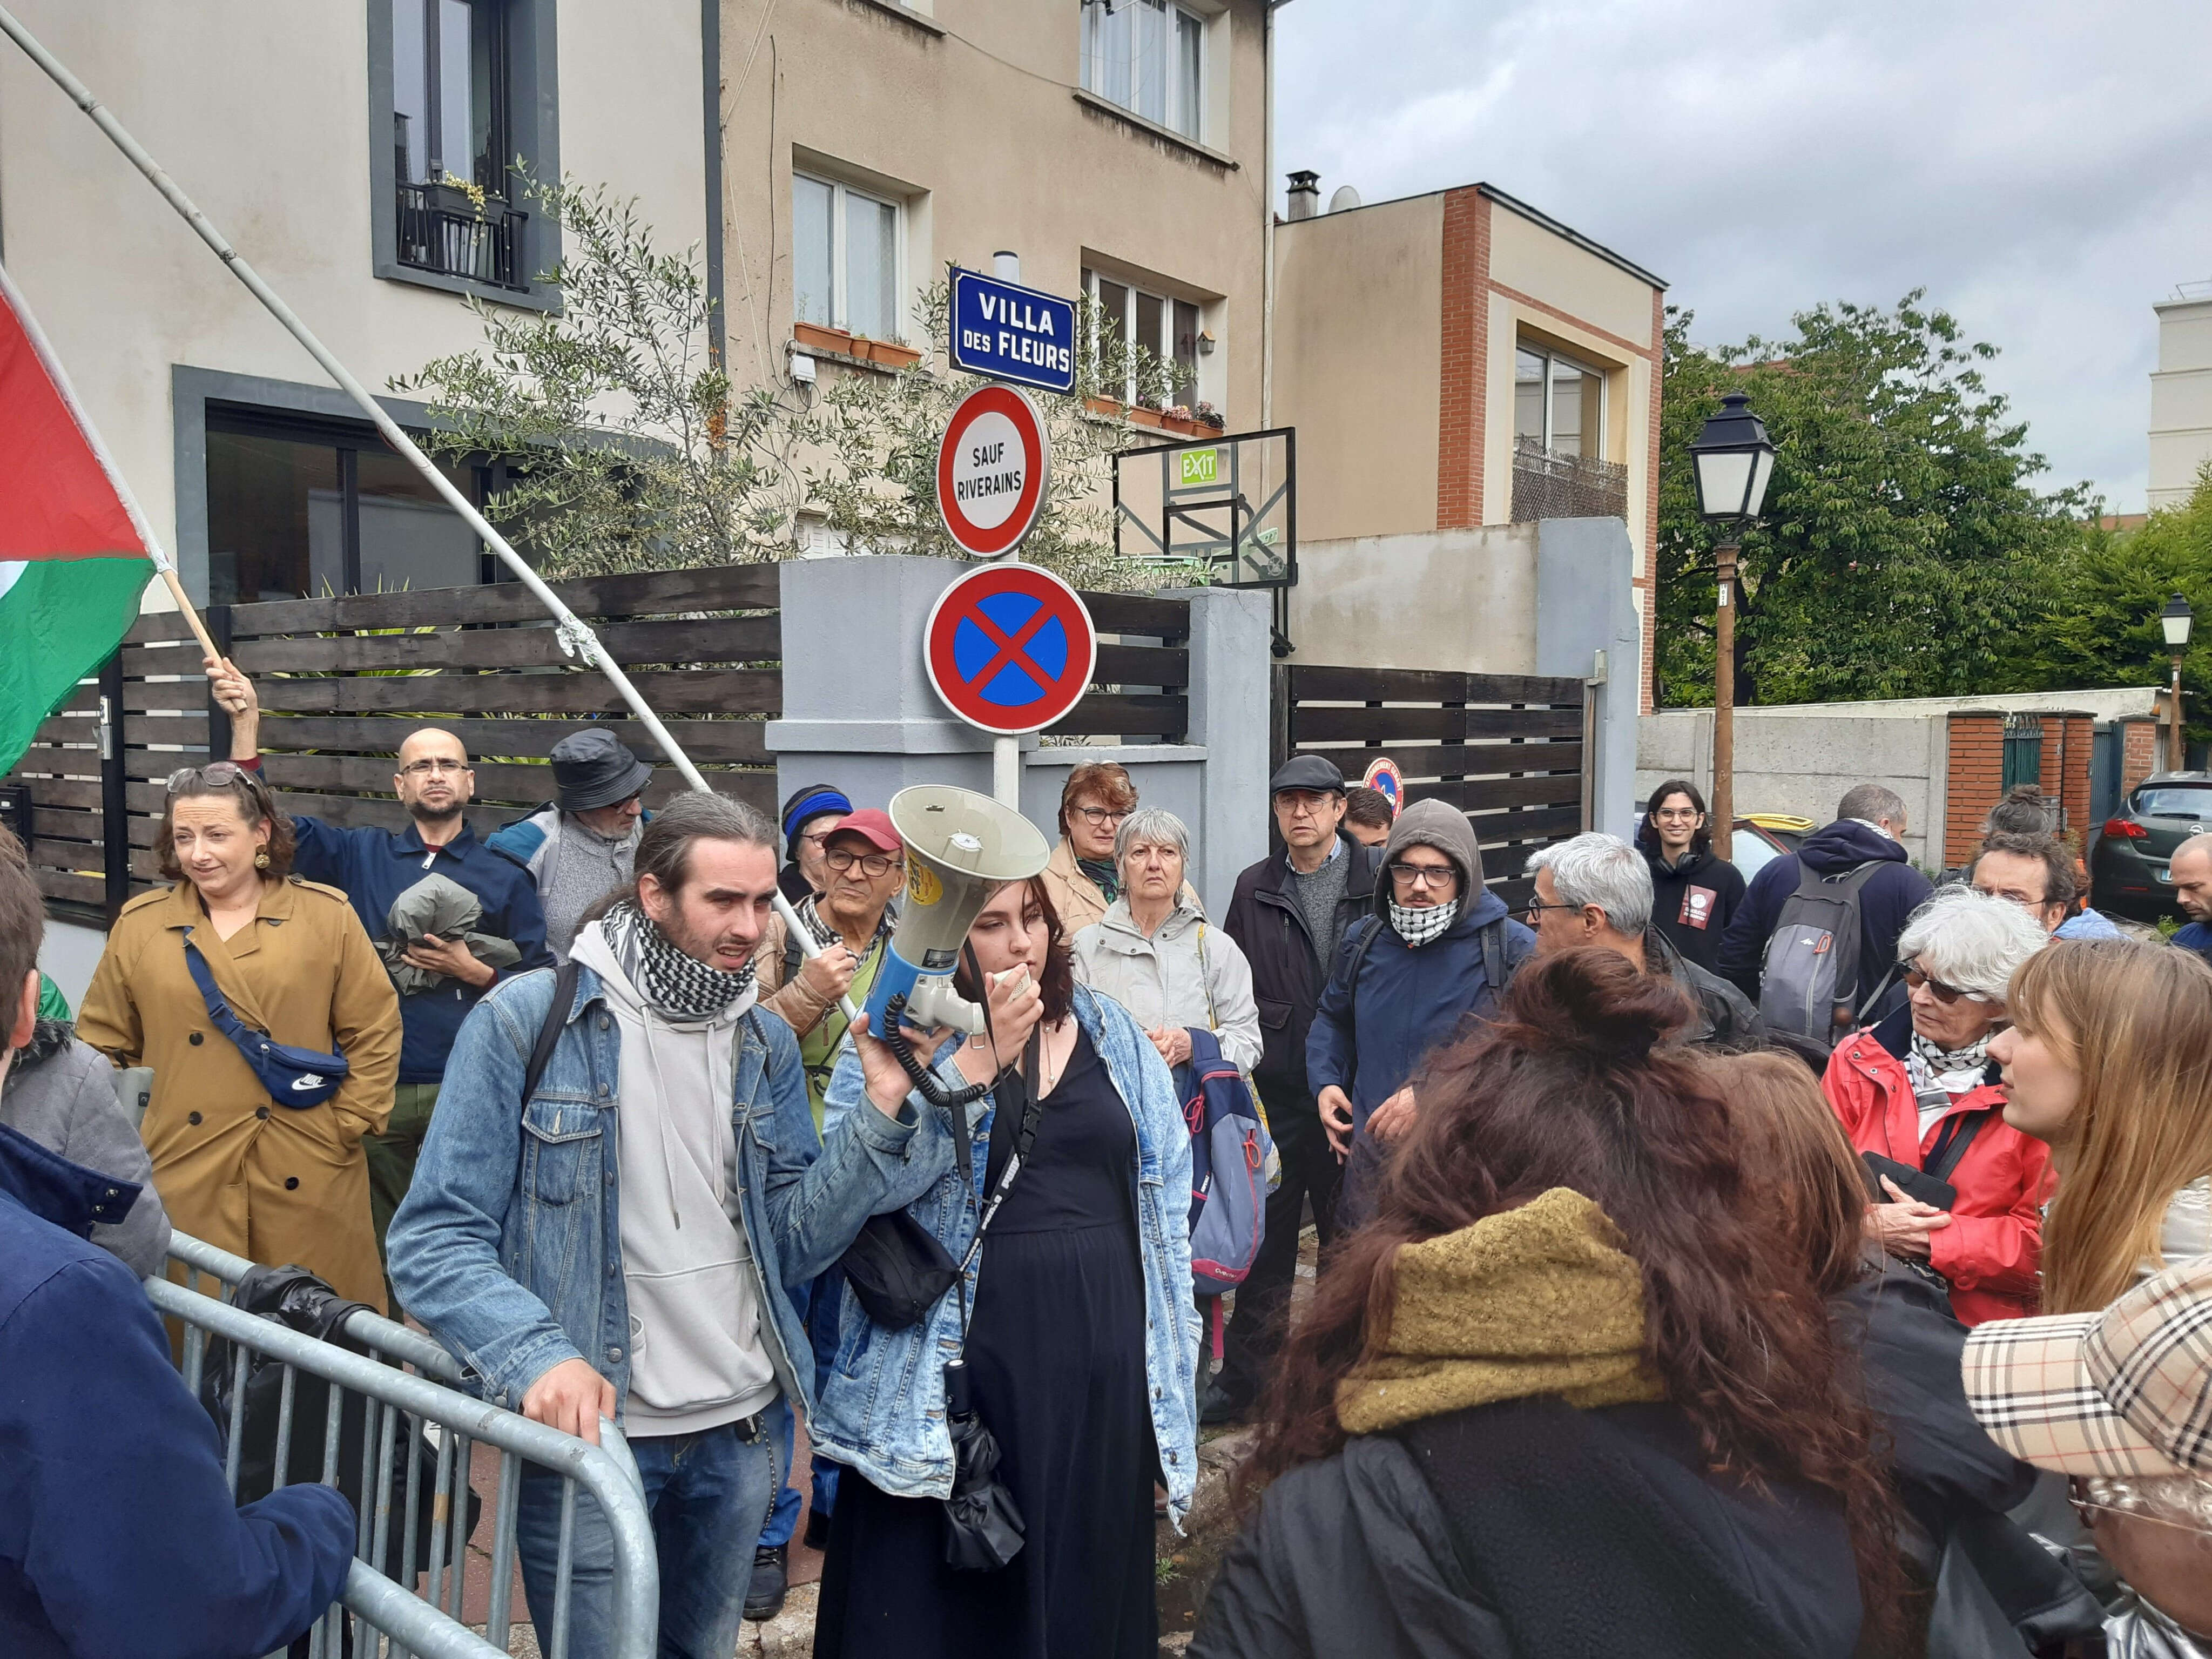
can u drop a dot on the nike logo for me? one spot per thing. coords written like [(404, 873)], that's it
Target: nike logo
[(306, 1080)]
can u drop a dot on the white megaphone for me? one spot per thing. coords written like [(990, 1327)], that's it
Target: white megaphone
[(960, 848)]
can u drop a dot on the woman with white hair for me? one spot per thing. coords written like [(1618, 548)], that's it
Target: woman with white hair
[(1961, 1191), (1154, 953)]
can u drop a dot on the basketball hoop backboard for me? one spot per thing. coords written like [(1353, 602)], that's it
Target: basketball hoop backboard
[(1226, 504)]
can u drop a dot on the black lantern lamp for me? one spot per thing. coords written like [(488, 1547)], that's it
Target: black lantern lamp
[(1734, 458)]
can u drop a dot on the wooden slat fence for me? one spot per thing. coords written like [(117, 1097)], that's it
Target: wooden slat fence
[(343, 680), (1507, 750)]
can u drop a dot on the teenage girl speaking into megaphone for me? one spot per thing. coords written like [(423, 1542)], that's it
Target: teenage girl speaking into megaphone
[(1073, 1336)]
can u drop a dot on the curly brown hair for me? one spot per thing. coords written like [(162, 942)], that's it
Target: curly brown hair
[(256, 805), (1577, 1085), (1106, 781)]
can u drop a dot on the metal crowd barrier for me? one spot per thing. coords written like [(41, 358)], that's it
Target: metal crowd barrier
[(407, 1383)]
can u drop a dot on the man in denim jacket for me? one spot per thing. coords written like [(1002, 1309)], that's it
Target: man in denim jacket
[(617, 1244)]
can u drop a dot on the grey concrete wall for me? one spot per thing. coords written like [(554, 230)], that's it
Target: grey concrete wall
[(1801, 758), (1787, 764), (859, 711), (1585, 605), (1463, 600)]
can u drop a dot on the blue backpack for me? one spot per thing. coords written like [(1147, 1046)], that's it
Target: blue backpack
[(1230, 1156)]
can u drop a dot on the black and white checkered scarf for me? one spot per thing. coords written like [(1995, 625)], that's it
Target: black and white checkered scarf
[(674, 985)]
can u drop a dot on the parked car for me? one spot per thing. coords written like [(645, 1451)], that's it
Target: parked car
[(2127, 864), (1762, 837)]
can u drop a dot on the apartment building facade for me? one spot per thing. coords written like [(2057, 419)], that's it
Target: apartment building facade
[(359, 155), (2181, 394), (1468, 366), (1118, 148)]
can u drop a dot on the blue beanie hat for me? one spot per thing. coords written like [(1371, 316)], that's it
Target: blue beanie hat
[(812, 803)]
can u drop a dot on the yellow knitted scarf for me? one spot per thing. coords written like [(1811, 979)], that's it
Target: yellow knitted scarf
[(1537, 1300)]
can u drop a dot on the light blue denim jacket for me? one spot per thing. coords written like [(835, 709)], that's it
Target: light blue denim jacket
[(882, 1409), (509, 1245)]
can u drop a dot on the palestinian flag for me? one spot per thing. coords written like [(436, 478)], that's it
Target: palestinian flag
[(75, 555)]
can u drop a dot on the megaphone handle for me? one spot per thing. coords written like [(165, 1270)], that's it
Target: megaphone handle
[(809, 947)]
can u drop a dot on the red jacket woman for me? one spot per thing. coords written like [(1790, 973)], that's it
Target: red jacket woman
[(1989, 1248)]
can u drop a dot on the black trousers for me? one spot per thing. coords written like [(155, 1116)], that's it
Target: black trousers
[(1310, 1173)]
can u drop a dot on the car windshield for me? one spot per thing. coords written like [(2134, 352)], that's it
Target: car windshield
[(2169, 800), (1750, 851)]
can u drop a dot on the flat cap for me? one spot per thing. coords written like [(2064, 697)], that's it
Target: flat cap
[(1307, 772)]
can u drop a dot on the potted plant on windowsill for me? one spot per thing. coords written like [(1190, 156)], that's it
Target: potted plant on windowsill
[(892, 354), (455, 197), (1209, 417), (820, 336)]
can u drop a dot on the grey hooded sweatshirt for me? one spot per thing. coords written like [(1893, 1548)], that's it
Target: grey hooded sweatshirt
[(697, 1356)]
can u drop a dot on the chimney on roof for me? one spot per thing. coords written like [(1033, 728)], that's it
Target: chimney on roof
[(1305, 194)]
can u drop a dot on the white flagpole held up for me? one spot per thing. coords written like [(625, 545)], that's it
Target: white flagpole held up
[(574, 632)]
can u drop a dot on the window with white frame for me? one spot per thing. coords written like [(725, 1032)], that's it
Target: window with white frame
[(1149, 57), (1165, 327), (1558, 403), (845, 258)]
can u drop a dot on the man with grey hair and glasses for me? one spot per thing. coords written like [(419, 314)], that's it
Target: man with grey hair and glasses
[(622, 1180), (1595, 890)]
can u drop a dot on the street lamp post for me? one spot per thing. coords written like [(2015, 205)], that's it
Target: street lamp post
[(2175, 620), (1732, 459)]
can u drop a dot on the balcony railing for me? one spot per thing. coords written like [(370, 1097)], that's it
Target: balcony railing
[(442, 229), (1548, 484)]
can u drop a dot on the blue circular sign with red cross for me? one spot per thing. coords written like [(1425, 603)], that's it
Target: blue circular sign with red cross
[(1010, 649), (1383, 778)]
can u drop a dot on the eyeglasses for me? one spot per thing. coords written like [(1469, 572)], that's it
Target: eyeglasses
[(219, 775), (1098, 817), (1946, 994), (875, 864), (1537, 906), (423, 768), (1685, 814), (1423, 875)]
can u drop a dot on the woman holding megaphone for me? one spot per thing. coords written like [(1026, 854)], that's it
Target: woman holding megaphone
[(1037, 1244)]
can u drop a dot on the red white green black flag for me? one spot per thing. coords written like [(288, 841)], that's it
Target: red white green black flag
[(74, 554)]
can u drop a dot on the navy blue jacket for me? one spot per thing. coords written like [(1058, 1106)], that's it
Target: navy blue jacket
[(1891, 894), (2195, 937), (116, 1534), (373, 867), (1369, 1039)]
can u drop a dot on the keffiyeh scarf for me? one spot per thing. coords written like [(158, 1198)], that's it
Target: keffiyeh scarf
[(1418, 926), (1102, 873), (1954, 1070), (675, 985)]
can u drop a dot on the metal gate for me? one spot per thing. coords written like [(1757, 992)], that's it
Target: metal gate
[(1512, 751)]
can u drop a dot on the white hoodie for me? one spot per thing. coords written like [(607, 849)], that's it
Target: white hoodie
[(697, 1359)]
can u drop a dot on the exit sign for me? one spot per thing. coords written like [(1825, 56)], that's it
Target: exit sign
[(1199, 466)]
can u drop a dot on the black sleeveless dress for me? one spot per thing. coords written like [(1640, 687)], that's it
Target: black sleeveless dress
[(1056, 1349)]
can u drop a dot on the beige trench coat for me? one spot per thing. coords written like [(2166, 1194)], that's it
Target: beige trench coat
[(274, 1184)]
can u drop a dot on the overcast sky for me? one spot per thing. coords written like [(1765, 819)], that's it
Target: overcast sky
[(2044, 167)]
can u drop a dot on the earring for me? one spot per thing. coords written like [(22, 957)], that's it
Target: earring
[(261, 860)]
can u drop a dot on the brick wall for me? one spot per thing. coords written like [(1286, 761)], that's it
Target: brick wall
[(1976, 778), (1651, 500), (1973, 782), (2142, 751), (1464, 375)]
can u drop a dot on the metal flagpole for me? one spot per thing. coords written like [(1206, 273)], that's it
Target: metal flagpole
[(575, 634)]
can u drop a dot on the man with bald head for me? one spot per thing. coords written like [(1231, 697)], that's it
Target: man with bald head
[(450, 916), (2189, 870)]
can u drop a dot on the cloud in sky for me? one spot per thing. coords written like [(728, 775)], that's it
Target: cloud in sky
[(2044, 168)]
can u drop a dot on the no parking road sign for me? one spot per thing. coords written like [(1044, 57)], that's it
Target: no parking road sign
[(991, 469), (1383, 778), (1010, 649)]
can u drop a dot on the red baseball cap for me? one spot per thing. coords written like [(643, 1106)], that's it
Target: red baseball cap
[(870, 825)]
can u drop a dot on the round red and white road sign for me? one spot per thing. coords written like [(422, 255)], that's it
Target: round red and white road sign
[(991, 469), (1383, 778), (1010, 649)]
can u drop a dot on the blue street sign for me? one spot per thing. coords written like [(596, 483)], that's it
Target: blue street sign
[(1010, 332)]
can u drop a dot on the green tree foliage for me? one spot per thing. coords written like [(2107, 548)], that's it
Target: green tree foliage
[(640, 454), (1902, 551), (869, 453), (2106, 593)]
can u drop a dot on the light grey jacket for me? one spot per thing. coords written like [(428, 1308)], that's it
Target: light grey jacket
[(1188, 973), (60, 1093)]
